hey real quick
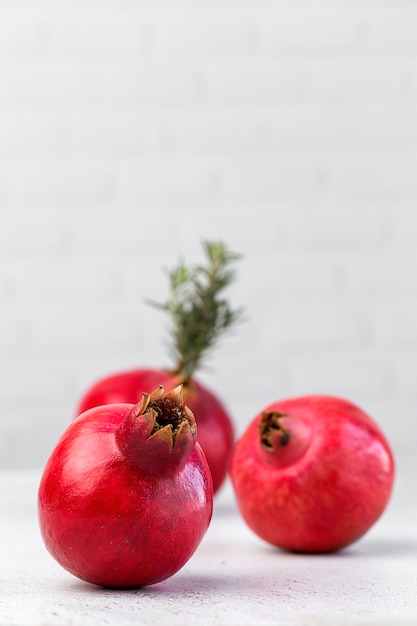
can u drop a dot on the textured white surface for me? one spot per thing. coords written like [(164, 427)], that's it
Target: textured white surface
[(233, 579)]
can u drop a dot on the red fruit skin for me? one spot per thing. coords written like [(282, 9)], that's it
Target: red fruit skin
[(107, 522), (322, 489), (215, 430)]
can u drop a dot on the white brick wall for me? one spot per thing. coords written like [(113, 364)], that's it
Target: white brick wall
[(130, 131)]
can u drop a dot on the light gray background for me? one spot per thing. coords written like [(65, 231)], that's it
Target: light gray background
[(131, 130)]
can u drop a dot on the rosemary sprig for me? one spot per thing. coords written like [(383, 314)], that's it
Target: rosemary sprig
[(198, 312)]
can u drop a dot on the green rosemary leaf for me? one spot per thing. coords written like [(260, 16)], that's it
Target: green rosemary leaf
[(198, 315)]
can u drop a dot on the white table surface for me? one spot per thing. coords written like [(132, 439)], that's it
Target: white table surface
[(233, 578)]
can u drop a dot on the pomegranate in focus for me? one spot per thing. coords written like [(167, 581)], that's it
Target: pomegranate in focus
[(215, 429), (312, 474), (199, 315), (126, 495)]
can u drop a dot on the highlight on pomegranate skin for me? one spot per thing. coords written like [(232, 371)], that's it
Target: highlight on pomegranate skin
[(126, 495), (312, 474)]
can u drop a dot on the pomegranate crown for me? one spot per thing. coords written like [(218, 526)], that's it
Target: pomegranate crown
[(159, 433)]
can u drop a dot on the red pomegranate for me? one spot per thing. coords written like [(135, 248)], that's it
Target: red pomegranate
[(126, 495), (199, 315), (312, 474)]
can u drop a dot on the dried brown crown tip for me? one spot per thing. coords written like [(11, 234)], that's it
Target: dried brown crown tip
[(159, 433), (271, 430), (167, 411)]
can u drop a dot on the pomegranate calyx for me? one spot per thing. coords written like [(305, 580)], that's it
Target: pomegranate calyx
[(169, 415), (158, 434), (283, 438), (271, 431)]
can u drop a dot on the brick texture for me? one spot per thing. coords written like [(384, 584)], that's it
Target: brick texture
[(130, 131)]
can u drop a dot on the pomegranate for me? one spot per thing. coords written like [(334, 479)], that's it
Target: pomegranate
[(126, 495), (312, 474), (199, 314)]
